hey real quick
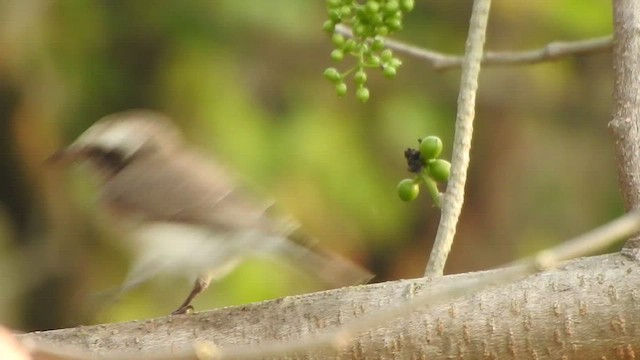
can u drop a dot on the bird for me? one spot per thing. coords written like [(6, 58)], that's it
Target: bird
[(185, 211)]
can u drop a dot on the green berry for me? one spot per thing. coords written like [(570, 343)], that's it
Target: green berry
[(337, 55), (377, 44), (332, 74), (349, 45), (341, 89), (329, 26), (430, 147), (439, 170), (407, 5), (376, 19), (362, 94), (389, 71), (360, 77), (360, 30), (334, 3), (386, 55), (394, 24), (334, 15), (372, 7), (395, 62), (382, 30), (361, 12), (373, 61), (408, 190), (392, 7), (345, 11), (337, 39)]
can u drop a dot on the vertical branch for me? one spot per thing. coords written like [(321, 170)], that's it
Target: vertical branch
[(625, 123), (454, 196)]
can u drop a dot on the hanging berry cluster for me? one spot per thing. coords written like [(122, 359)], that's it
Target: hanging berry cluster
[(369, 21)]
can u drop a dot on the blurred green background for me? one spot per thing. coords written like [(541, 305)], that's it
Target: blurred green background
[(244, 79)]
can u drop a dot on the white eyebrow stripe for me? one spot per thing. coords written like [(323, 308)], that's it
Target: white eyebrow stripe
[(116, 138)]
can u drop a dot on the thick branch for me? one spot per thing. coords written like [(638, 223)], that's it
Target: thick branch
[(342, 335), (584, 310)]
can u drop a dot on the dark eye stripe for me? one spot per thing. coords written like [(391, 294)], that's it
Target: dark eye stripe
[(111, 160)]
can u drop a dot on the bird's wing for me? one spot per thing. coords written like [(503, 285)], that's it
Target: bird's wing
[(184, 188)]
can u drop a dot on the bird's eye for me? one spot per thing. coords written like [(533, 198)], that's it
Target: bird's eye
[(112, 159)]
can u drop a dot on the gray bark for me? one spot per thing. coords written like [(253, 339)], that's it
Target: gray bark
[(625, 123), (587, 309)]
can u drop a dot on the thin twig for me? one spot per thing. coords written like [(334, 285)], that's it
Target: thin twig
[(453, 198), (550, 52), (340, 337), (590, 242)]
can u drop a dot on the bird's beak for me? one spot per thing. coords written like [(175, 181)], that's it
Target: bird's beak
[(65, 156)]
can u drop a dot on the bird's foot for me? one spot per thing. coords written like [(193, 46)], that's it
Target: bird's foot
[(183, 310)]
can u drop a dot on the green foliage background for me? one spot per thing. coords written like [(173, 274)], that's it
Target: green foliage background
[(244, 79)]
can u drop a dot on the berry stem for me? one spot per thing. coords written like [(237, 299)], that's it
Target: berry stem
[(432, 188)]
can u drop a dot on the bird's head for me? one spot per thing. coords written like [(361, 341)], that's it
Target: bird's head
[(118, 139)]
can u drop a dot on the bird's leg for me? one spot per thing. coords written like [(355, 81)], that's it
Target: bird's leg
[(200, 285)]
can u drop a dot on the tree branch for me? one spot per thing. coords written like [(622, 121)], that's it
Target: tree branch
[(550, 52), (453, 198), (585, 310), (352, 312), (625, 123)]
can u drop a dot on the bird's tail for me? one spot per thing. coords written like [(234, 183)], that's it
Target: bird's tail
[(331, 268)]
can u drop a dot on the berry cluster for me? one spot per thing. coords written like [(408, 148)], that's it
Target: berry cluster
[(428, 170), (369, 21)]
